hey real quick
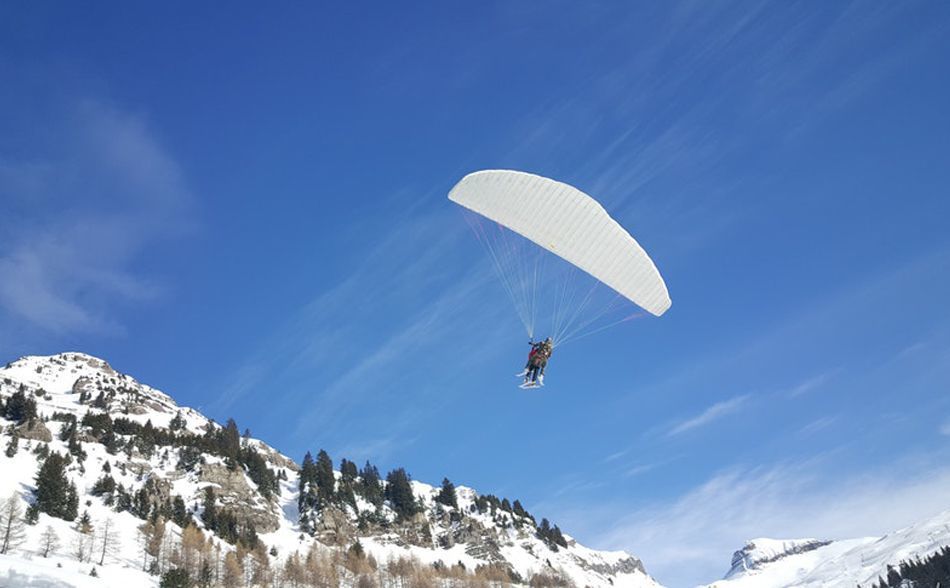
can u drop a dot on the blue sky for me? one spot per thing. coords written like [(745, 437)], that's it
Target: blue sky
[(247, 209)]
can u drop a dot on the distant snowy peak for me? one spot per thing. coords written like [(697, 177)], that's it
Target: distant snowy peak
[(845, 563), (759, 552)]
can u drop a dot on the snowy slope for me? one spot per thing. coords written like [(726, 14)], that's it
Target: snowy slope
[(471, 537), (839, 563), (762, 551), (53, 378), (439, 536)]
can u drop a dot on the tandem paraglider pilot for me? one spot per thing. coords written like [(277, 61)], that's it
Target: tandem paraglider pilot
[(522, 219), (537, 360)]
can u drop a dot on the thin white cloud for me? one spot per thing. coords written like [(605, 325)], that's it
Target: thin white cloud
[(81, 211), (573, 485), (374, 449), (817, 425), (945, 428), (320, 334), (422, 325), (615, 456), (690, 539), (638, 470), (809, 385), (643, 121), (711, 414), (381, 367)]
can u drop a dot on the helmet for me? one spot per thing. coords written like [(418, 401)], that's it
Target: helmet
[(548, 340)]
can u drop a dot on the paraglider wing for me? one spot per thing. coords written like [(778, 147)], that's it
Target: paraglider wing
[(570, 224)]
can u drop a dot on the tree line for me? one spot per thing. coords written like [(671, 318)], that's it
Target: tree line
[(931, 571)]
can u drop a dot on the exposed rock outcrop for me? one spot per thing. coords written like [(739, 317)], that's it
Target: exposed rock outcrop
[(237, 496), (34, 429)]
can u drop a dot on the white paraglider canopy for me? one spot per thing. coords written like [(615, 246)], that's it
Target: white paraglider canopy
[(570, 224)]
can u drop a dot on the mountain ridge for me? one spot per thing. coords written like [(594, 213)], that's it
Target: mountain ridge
[(136, 456), (810, 563), (179, 492)]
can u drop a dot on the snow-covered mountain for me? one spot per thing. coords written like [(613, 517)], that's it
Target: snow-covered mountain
[(147, 489), (808, 563), (150, 487)]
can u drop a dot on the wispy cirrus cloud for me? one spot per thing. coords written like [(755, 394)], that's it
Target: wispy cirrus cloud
[(616, 455), (78, 212), (816, 425), (375, 448), (639, 469), (657, 138), (422, 325), (810, 384), (689, 539), (715, 412)]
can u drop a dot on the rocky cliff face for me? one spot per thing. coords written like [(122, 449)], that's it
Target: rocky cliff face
[(843, 563), (164, 460), (759, 552)]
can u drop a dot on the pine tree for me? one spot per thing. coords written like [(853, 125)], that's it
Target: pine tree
[(347, 486), (325, 478), (399, 493), (68, 430), (518, 509), (41, 451), (307, 498), (55, 494), (231, 444), (20, 408), (308, 470), (100, 401), (104, 485), (345, 496), (72, 503), (893, 578), (32, 514), (544, 529), (177, 423), (12, 527), (447, 495), (175, 578), (210, 513), (551, 535), (13, 445), (348, 471), (180, 512), (141, 504), (258, 471), (557, 537), (370, 486), (75, 446), (146, 439)]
